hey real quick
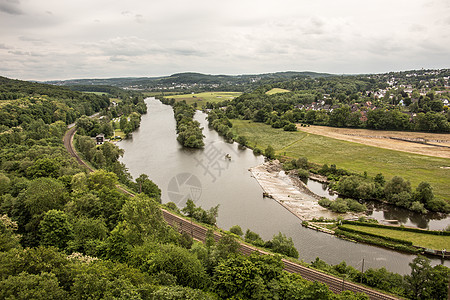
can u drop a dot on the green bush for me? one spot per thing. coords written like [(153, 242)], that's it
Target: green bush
[(302, 173), (339, 205), (257, 151), (355, 206), (325, 202), (290, 127)]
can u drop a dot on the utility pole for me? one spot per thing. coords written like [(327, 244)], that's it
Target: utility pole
[(362, 270), (448, 290)]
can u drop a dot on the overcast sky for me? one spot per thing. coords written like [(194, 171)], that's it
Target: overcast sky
[(64, 39)]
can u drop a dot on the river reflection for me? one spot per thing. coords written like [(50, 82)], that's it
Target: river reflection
[(387, 213), (153, 150)]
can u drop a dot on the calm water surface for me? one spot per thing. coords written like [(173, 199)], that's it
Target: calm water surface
[(383, 211), (210, 178)]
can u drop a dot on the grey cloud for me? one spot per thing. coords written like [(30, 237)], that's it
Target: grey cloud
[(11, 7), (31, 39), (139, 18), (3, 46), (417, 28), (117, 58), (122, 46), (25, 53), (185, 50)]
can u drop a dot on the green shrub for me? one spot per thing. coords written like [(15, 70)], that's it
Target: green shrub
[(325, 202), (355, 206), (339, 205), (303, 173), (257, 151)]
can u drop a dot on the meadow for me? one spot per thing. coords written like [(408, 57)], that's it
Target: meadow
[(277, 91), (429, 241), (351, 156), (202, 98)]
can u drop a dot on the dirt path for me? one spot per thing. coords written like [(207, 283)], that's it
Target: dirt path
[(431, 144)]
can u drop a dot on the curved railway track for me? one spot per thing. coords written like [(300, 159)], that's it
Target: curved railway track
[(198, 232), (68, 143)]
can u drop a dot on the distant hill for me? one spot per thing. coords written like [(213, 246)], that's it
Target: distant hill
[(192, 81)]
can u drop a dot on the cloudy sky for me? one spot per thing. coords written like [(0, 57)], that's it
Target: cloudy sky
[(64, 39)]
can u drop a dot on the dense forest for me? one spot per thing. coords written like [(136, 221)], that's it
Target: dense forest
[(69, 234)]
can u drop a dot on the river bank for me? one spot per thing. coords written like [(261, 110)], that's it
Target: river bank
[(292, 194), (238, 193)]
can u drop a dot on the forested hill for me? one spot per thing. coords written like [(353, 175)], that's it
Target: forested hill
[(22, 102), (11, 89), (194, 81)]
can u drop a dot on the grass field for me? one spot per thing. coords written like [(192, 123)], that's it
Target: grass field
[(429, 241), (277, 91), (202, 98), (120, 133), (98, 93), (350, 156), (153, 94)]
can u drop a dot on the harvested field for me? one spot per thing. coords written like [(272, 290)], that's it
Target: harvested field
[(431, 144)]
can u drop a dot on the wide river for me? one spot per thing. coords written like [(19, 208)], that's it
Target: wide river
[(206, 176)]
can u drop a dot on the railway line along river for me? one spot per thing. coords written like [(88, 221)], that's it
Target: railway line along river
[(210, 177)]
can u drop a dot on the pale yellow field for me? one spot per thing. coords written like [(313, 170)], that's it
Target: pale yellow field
[(437, 145)]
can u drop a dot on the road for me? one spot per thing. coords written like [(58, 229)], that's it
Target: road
[(198, 232)]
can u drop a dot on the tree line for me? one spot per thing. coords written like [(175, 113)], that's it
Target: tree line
[(189, 131), (396, 191), (346, 101), (69, 234)]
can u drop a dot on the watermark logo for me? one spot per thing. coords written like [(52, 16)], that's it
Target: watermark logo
[(213, 162), (182, 187)]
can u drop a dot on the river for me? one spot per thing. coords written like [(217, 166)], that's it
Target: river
[(210, 179)]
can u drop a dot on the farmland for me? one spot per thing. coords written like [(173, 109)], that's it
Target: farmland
[(351, 156), (432, 144), (277, 91), (202, 98)]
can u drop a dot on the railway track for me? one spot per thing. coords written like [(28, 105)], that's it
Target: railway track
[(68, 143), (198, 232), (335, 284)]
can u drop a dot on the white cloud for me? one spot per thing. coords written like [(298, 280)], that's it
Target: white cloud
[(44, 39)]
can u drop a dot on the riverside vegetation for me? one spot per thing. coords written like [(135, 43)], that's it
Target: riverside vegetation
[(189, 131), (349, 184), (69, 234)]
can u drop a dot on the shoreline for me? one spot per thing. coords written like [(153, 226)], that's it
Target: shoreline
[(291, 193)]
